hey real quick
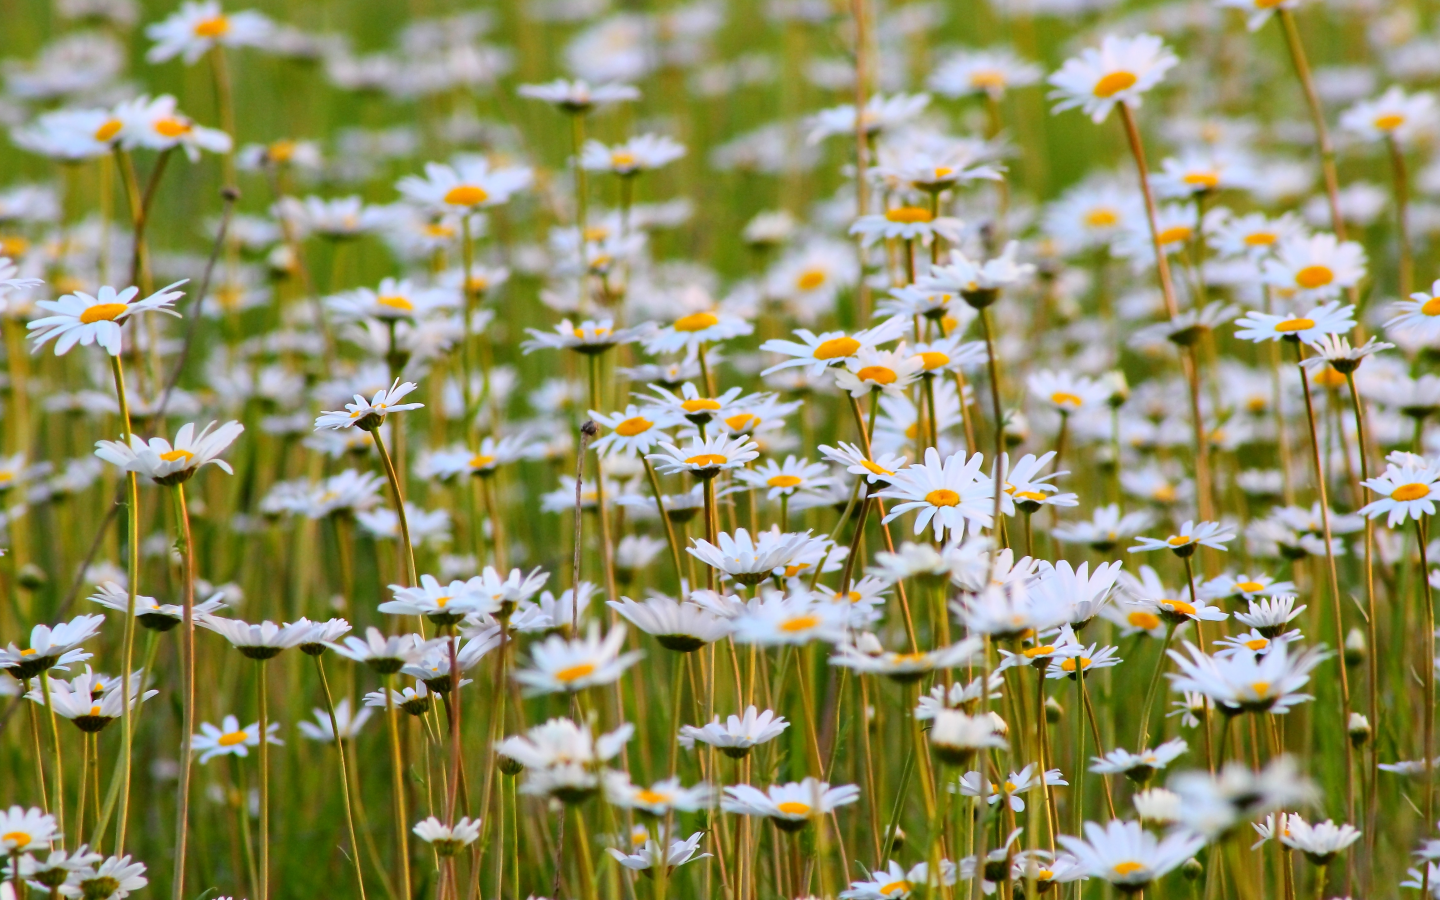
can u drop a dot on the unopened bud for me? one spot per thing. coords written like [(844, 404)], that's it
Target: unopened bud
[(1053, 710), (1355, 648), (32, 577), (1191, 868), (1359, 729)]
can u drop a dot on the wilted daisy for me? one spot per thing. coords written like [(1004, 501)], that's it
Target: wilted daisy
[(79, 318), (1120, 71)]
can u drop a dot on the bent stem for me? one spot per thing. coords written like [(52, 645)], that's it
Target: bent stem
[(394, 479)]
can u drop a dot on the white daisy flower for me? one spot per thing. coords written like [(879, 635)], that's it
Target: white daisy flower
[(167, 464), (79, 318), (1120, 71), (191, 31)]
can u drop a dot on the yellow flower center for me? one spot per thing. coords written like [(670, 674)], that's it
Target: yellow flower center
[(281, 151), (28, 651), (212, 28), (1175, 234), (810, 279), (784, 481), (1143, 620), (895, 887), (1289, 326), (1068, 665), (1065, 398), (1178, 606), (652, 798), (1261, 688), (742, 422), (1261, 238), (700, 404), (622, 160), (1044, 650), (574, 673), (697, 322), (14, 245), (1431, 307), (877, 374), (107, 132), (442, 602), (231, 739), (943, 172), (795, 569), (95, 710), (1389, 121), (102, 312), (908, 215), (1030, 495), (942, 497), (987, 78), (172, 127), (596, 335), (794, 808), (1249, 587), (707, 460), (395, 301), (1412, 491), (1127, 868), (798, 624), (18, 838), (633, 426), (933, 359), (1312, 277), (1178, 540), (481, 460), (1102, 217), (1258, 644), (878, 470), (1114, 83), (177, 455), (1207, 180), (466, 195), (837, 348)]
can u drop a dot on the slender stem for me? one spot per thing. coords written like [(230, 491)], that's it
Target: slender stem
[(1371, 657), (264, 886), (58, 775), (397, 785), (1142, 743), (187, 689), (344, 776), (1428, 670), (1317, 118), (1402, 214), (399, 505), (665, 520), (132, 539)]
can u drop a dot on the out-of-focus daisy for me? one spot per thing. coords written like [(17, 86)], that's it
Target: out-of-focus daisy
[(1138, 767), (1393, 116), (1106, 528), (79, 318), (230, 739), (587, 337), (1245, 681), (1120, 71), (641, 153), (649, 856), (470, 184), (192, 30), (557, 664), (1316, 267), (906, 223), (1253, 236), (955, 736), (1418, 316), (737, 734), (790, 806), (1407, 489), (1128, 856), (990, 72), (978, 282), (680, 626), (779, 619), (447, 839), (1191, 536), (579, 96), (831, 348), (659, 798)]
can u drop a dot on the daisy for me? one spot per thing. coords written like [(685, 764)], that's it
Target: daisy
[(1270, 615), (393, 300), (167, 464), (737, 734), (933, 167), (856, 462), (1245, 681), (649, 855), (349, 723), (990, 72), (113, 879), (1201, 172), (1252, 236), (1120, 71), (881, 112), (25, 828), (1313, 268), (369, 415), (784, 479), (79, 318), (906, 223), (56, 867), (470, 184), (1418, 317), (951, 494), (442, 604), (1106, 528), (259, 642), (1260, 10), (482, 463), (50, 648), (447, 839), (680, 626), (867, 657), (578, 96), (149, 612), (979, 283), (689, 331), (692, 407), (831, 348), (1244, 587), (642, 153), (230, 739), (955, 737), (795, 619), (557, 664), (892, 882), (1406, 489), (91, 701), (658, 799), (413, 700), (890, 371), (562, 759), (589, 337), (1138, 767), (1393, 116), (1191, 536), (631, 431), (1128, 856), (192, 30), (156, 124), (1017, 784), (704, 457), (384, 655), (790, 806)]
